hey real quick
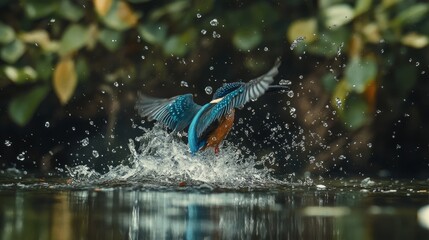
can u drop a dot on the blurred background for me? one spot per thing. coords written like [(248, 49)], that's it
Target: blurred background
[(70, 71)]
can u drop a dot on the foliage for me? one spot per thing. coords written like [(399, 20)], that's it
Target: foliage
[(70, 49)]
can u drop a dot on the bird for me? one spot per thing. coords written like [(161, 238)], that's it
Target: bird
[(207, 125)]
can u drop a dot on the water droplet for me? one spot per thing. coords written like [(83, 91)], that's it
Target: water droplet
[(52, 20), (116, 84), (203, 31), (184, 84), (292, 110), (95, 153), (301, 77), (208, 90), (199, 15), (211, 68), (7, 143), (417, 64), (369, 145), (143, 57), (285, 82), (295, 42), (36, 44), (84, 142), (265, 49), (342, 157), (216, 35), (338, 102), (47, 124), (21, 156), (290, 94), (214, 22)]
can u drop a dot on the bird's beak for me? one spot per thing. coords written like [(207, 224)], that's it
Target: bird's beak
[(216, 100)]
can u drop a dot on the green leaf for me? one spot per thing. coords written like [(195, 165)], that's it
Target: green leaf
[(23, 107), (338, 15), (154, 33), (38, 9), (12, 51), (111, 39), (306, 28), (355, 112), (362, 6), (175, 46), (329, 82), (246, 39), (70, 11), (412, 14), (329, 42), (73, 39), (359, 73), (120, 16), (7, 34)]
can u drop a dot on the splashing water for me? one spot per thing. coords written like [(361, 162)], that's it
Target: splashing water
[(163, 160)]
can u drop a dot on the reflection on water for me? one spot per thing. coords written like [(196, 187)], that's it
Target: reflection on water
[(129, 213)]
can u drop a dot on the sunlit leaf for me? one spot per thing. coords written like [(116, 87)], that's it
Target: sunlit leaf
[(41, 38), (73, 39), (415, 40), (359, 73), (65, 79), (102, 7), (39, 9), (111, 39), (306, 28), (12, 51), (372, 32), (362, 6), (20, 75), (355, 113), (246, 39), (338, 15), (120, 16), (70, 11), (154, 33), (412, 14), (23, 107), (7, 34)]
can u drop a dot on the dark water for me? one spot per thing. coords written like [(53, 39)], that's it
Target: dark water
[(340, 209)]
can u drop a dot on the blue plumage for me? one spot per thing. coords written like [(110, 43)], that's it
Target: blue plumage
[(179, 112)]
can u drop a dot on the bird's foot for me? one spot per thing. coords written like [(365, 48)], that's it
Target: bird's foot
[(216, 150)]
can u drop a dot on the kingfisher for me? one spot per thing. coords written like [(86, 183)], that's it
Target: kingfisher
[(209, 124)]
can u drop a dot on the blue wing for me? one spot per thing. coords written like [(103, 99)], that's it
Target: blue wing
[(226, 88), (237, 98), (175, 113)]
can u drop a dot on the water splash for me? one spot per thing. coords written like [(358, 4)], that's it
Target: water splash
[(161, 159)]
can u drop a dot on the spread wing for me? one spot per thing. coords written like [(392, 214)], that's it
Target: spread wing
[(176, 112), (226, 88), (251, 90)]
